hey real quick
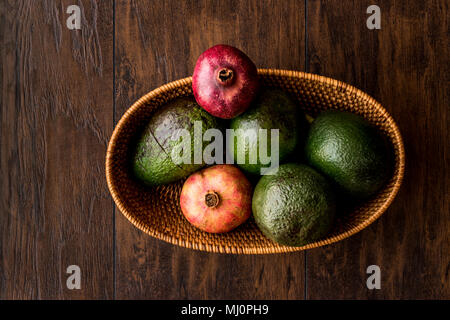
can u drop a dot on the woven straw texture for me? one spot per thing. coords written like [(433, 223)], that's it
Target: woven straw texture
[(156, 211)]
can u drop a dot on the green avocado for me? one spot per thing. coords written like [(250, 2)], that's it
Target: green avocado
[(272, 109), (347, 149), (152, 162), (294, 206)]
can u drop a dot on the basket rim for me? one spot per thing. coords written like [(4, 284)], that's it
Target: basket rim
[(338, 85)]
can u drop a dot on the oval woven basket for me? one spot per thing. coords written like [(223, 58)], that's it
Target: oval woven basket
[(156, 211)]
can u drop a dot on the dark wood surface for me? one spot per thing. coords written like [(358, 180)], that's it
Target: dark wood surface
[(62, 91), (405, 67), (160, 41), (56, 119)]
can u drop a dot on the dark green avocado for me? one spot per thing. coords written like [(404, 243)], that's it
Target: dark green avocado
[(294, 206), (347, 149), (152, 162), (272, 109)]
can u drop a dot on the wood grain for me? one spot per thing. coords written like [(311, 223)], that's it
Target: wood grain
[(56, 116), (157, 42), (404, 66)]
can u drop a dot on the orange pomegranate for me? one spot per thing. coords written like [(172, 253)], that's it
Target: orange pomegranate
[(217, 199)]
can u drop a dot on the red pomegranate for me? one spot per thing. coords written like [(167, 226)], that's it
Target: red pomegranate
[(217, 199), (225, 81)]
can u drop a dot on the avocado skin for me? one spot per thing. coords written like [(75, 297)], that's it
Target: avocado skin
[(348, 150), (295, 206), (152, 163), (272, 109)]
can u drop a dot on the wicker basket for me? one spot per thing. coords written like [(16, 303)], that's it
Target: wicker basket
[(156, 211)]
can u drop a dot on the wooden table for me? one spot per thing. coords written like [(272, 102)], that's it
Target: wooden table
[(62, 91)]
